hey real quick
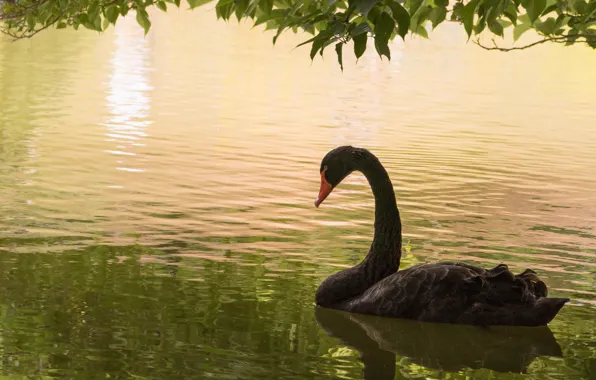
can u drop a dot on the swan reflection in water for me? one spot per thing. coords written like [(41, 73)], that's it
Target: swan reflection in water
[(435, 345)]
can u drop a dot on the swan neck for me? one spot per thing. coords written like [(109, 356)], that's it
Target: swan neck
[(386, 246), (385, 251)]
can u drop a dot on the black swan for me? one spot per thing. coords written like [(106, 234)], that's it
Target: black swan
[(446, 292)]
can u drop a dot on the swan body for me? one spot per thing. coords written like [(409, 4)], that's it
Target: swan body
[(447, 292)]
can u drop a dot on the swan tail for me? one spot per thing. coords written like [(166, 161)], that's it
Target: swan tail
[(539, 313), (502, 298), (546, 309), (500, 286)]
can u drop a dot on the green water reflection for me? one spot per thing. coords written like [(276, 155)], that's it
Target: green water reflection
[(90, 314)]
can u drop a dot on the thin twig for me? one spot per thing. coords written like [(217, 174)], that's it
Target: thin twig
[(559, 39)]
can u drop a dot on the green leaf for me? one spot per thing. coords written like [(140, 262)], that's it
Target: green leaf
[(106, 24), (81, 19), (97, 22), (311, 22), (580, 6), (572, 36), (561, 20), (93, 21), (266, 6), (306, 42), (360, 44), (442, 3), (494, 11), (480, 25), (437, 16), (224, 10), (382, 48), (547, 27), (338, 50), (278, 33), (334, 38), (276, 13), (524, 19), (338, 28), (413, 6), (143, 20), (591, 11), (31, 20), (328, 42), (61, 25), (534, 8), (496, 28), (316, 45), (324, 35), (420, 17), (93, 11), (363, 27), (468, 16), (511, 12), (373, 14), (519, 30), (111, 13), (384, 27), (318, 41), (240, 9), (550, 9), (421, 31), (162, 5), (364, 6), (402, 17), (456, 13)]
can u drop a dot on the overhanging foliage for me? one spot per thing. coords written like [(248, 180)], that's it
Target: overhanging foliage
[(356, 23)]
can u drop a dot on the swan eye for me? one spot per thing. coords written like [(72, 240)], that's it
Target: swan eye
[(324, 172)]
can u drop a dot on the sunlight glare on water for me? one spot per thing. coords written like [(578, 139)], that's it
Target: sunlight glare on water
[(157, 215)]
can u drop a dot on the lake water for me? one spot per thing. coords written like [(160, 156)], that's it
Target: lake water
[(157, 218)]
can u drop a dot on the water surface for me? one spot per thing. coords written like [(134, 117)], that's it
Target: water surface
[(157, 215)]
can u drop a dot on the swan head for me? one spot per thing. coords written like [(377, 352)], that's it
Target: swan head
[(335, 166)]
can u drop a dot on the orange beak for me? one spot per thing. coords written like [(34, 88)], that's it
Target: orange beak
[(324, 191)]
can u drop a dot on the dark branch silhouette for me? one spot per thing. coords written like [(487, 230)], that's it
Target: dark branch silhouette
[(557, 39)]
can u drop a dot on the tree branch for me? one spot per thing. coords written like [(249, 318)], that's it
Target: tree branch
[(558, 39), (29, 34)]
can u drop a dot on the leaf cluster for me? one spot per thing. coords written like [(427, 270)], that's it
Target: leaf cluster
[(356, 23)]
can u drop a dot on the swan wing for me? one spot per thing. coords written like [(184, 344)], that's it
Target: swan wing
[(460, 293)]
